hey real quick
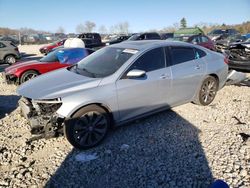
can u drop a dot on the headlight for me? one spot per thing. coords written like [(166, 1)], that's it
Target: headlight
[(51, 101), (47, 106)]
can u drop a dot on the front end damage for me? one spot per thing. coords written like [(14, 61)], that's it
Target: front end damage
[(42, 117)]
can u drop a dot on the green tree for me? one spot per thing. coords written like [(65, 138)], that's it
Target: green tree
[(183, 23)]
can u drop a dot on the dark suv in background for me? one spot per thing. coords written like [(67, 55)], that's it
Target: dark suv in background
[(117, 39), (91, 40), (145, 36)]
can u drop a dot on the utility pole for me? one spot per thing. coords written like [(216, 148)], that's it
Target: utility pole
[(19, 37)]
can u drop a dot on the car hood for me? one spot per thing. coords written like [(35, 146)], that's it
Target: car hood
[(55, 84)]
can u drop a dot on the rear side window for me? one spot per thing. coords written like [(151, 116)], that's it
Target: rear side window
[(153, 36), (196, 40), (181, 55), (150, 61), (199, 53), (204, 39)]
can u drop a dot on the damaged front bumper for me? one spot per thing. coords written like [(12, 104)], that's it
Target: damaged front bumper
[(10, 78), (42, 117), (235, 77)]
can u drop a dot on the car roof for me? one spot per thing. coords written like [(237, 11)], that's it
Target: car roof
[(73, 48), (146, 44)]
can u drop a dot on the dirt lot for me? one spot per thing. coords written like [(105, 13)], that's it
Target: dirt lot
[(188, 146)]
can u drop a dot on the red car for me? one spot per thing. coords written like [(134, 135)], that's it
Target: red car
[(23, 71), (201, 40), (50, 47)]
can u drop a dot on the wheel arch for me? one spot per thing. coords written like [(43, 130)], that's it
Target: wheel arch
[(101, 105), (216, 77), (22, 72), (10, 54)]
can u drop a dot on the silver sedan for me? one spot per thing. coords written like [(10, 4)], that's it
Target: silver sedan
[(117, 84)]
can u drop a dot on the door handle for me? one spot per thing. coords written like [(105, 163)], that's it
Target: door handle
[(197, 67), (164, 76)]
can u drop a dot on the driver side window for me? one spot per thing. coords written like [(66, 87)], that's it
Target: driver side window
[(150, 61)]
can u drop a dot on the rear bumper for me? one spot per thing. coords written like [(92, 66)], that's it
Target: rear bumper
[(239, 65)]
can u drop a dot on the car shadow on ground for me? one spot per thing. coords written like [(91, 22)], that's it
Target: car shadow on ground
[(163, 150), (8, 103)]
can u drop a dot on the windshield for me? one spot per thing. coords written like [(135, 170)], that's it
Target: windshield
[(51, 57), (104, 62), (134, 37)]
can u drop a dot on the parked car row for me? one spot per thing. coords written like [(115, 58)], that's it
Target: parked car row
[(48, 48), (117, 84), (24, 71)]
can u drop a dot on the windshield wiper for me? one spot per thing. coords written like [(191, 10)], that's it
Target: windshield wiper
[(78, 70), (91, 73)]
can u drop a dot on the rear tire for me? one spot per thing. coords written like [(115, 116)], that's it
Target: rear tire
[(28, 75), (207, 92), (87, 127), (10, 59)]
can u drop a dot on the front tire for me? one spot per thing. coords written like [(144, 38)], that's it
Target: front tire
[(88, 127), (207, 92), (10, 59), (28, 75)]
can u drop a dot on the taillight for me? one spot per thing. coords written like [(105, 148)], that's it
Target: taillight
[(226, 60), (16, 49)]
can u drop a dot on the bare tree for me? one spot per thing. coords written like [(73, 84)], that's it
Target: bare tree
[(60, 30), (121, 28), (176, 26), (89, 26), (102, 29), (80, 28), (112, 29)]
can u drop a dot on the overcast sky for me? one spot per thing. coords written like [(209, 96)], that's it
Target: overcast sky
[(141, 15)]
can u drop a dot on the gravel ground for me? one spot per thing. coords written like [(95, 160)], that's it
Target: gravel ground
[(188, 146)]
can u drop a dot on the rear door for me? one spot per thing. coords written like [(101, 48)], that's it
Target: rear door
[(187, 71), (205, 42), (140, 95), (3, 50)]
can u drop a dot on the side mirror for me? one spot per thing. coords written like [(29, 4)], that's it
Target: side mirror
[(135, 73)]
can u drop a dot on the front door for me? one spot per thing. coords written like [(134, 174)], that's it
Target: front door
[(140, 95)]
